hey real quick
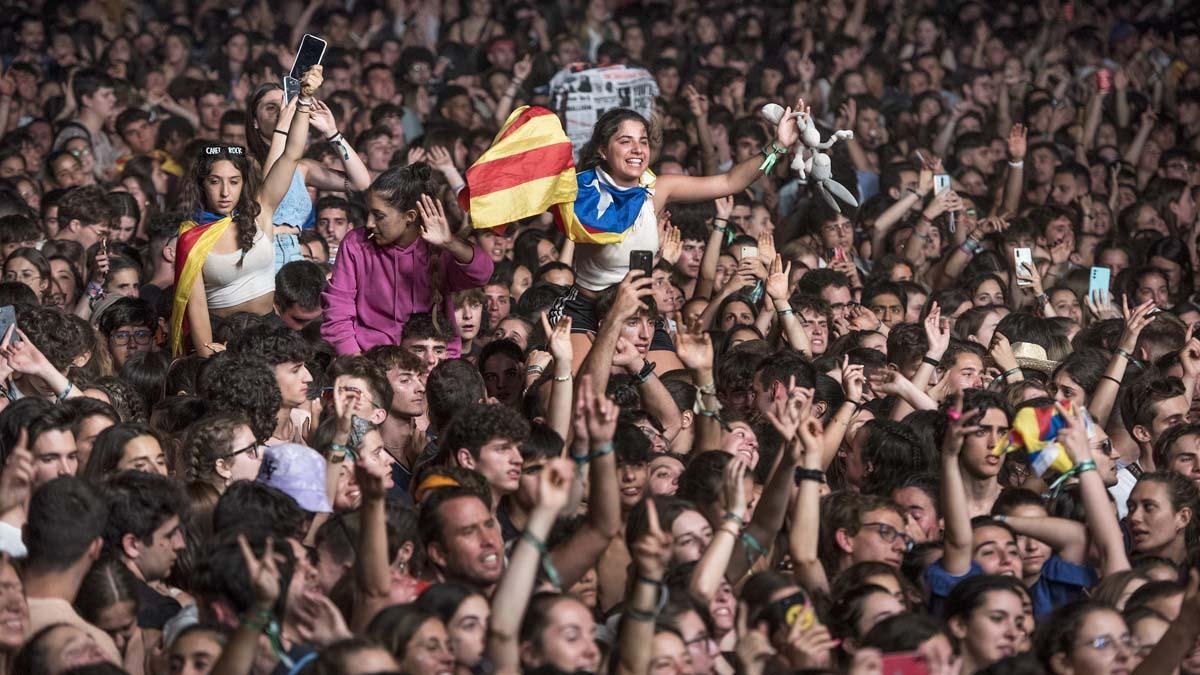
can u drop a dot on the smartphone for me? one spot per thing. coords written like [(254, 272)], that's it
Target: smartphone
[(8, 319), (749, 252), (941, 182), (1104, 80), (641, 260), (291, 88), (1099, 283), (905, 663), (1023, 257), (839, 253), (312, 50)]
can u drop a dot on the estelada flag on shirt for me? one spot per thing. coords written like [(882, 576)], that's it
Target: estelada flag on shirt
[(1035, 431), (196, 239), (530, 169)]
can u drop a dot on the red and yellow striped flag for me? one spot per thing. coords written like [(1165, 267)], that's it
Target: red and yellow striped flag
[(528, 169)]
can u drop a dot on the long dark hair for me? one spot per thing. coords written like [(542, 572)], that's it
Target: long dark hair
[(192, 197), (401, 187), (606, 127), (258, 147)]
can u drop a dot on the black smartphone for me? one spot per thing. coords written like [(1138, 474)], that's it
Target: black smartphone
[(291, 88), (8, 319), (793, 609), (641, 260), (312, 50)]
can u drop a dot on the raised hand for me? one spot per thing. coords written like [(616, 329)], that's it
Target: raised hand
[(733, 488), (1002, 353), (787, 132), (600, 417), (630, 293), (937, 331), (724, 208), (778, 279), (766, 246), (321, 119), (1018, 142), (853, 379), (694, 347), (415, 154), (440, 159), (808, 646), (672, 245), (626, 355), (16, 481), (785, 413), (522, 68), (311, 81), (860, 317), (753, 648), (435, 229), (318, 620), (1073, 434), (558, 338), (554, 485), (961, 426), (24, 357), (1135, 321), (1099, 303), (1189, 356), (264, 573), (371, 477), (697, 104), (888, 382), (652, 551)]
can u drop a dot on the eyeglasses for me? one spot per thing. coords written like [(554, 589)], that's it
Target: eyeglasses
[(121, 337), (84, 152), (698, 643), (251, 450), (25, 276), (888, 534), (1109, 643)]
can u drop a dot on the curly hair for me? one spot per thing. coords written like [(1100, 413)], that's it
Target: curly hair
[(276, 344), (476, 425), (243, 383), (192, 197), (51, 332), (127, 401)]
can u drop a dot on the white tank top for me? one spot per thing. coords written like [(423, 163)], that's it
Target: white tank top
[(598, 266), (226, 283)]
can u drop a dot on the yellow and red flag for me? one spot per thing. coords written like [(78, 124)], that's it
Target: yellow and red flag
[(196, 239), (528, 169)]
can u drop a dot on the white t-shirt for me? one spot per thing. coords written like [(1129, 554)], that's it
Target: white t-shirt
[(598, 266)]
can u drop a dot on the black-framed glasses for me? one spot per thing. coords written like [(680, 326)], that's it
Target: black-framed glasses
[(888, 534), (699, 642), (141, 336), (252, 450)]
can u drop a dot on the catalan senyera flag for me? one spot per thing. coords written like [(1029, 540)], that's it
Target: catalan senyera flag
[(530, 169), (196, 239), (1034, 430)]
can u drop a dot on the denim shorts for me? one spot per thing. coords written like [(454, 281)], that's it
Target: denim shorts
[(287, 249)]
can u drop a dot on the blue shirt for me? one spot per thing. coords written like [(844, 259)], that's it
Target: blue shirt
[(1060, 582), (940, 583)]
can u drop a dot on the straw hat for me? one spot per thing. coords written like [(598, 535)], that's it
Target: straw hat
[(1032, 356)]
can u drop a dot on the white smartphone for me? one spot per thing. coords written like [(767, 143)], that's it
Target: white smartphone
[(749, 252), (941, 182), (1023, 257)]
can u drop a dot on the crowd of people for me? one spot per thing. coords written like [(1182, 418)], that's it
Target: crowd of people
[(272, 403)]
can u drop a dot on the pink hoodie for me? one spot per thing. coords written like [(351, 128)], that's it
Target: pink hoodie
[(374, 289)]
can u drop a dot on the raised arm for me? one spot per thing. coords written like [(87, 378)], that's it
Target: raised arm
[(959, 537), (355, 177), (708, 573), (372, 568), (599, 360), (279, 176), (635, 636), (703, 188), (698, 105), (712, 251), (1101, 517), (695, 349), (777, 290), (595, 423), (237, 658), (516, 586), (806, 516), (558, 340), (1105, 396)]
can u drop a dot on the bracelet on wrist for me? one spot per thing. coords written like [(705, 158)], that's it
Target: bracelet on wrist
[(563, 378), (1017, 165), (802, 474), (1011, 371), (281, 132), (931, 361), (730, 516)]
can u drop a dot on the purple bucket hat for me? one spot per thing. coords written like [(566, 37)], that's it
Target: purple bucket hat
[(299, 472)]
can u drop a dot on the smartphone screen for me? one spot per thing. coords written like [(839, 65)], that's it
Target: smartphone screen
[(312, 50), (641, 260), (941, 182), (291, 88), (8, 318), (1023, 257), (1099, 282)]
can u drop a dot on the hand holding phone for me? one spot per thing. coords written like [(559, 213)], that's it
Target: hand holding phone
[(1099, 282), (641, 260), (310, 53), (1023, 259), (749, 252)]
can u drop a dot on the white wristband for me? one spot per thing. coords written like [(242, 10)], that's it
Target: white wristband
[(1017, 165)]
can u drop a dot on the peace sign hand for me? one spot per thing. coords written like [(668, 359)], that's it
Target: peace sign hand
[(652, 551), (264, 573)]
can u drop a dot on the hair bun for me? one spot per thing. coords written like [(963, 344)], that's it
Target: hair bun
[(422, 170)]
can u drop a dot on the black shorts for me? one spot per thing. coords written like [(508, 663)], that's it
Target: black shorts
[(582, 311)]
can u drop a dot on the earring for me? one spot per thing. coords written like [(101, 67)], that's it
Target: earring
[(403, 567)]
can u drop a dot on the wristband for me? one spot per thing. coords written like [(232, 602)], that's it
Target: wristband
[(302, 102), (647, 370), (1011, 371), (1121, 352), (564, 378), (1112, 379), (1017, 165), (786, 312), (544, 553), (1000, 518), (535, 368), (931, 361), (802, 474), (281, 132), (62, 396), (334, 135), (657, 583), (731, 516)]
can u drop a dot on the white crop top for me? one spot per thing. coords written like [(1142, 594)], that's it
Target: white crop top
[(226, 283), (598, 266)]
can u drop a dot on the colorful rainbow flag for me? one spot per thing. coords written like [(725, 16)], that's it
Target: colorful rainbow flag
[(530, 169), (1034, 431)]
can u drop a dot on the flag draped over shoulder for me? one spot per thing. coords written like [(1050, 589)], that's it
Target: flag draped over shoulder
[(530, 169), (1034, 430), (196, 239)]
